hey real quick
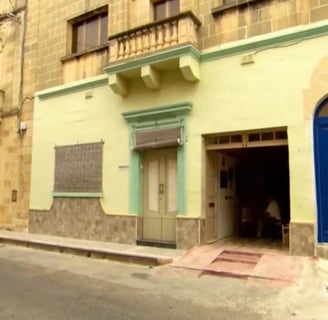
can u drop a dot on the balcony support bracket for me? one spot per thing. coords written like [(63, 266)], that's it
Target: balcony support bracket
[(190, 68), (151, 77), (118, 84)]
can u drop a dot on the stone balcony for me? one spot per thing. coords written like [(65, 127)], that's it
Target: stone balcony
[(148, 50)]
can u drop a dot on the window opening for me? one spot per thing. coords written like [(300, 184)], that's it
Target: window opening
[(89, 33), (165, 9)]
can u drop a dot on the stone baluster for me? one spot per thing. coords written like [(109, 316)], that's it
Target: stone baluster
[(152, 45), (133, 46), (127, 47), (121, 48), (113, 50), (146, 42), (139, 37), (174, 37), (160, 37), (167, 34)]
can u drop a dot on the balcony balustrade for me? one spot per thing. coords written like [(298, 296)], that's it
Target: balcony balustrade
[(177, 30)]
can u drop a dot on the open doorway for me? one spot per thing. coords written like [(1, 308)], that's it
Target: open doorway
[(238, 180)]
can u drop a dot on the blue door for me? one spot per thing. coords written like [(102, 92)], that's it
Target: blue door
[(321, 164)]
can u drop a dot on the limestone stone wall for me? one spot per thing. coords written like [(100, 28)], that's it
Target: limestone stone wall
[(52, 39), (16, 94), (255, 18)]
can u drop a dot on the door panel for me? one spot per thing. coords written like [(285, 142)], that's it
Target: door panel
[(322, 177), (153, 186), (211, 197), (227, 201), (160, 195)]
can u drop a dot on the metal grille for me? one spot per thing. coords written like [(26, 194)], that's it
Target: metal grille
[(157, 138), (78, 168)]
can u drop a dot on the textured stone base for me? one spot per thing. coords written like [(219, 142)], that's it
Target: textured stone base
[(187, 233), (322, 250), (302, 239), (83, 218)]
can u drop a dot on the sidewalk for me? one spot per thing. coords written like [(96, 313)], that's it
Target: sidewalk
[(220, 260), (113, 251)]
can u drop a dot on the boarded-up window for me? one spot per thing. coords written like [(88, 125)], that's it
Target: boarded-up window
[(78, 168), (157, 138)]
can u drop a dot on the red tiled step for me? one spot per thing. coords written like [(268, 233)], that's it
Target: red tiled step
[(239, 257), (231, 267)]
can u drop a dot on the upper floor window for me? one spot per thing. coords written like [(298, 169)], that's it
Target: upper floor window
[(89, 32), (166, 8)]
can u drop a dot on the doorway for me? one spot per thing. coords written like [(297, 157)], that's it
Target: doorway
[(238, 179), (159, 195)]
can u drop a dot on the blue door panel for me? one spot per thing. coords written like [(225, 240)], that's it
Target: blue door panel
[(321, 157)]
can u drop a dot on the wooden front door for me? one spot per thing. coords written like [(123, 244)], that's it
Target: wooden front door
[(321, 159), (160, 195)]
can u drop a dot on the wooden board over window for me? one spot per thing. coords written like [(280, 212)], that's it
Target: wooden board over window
[(157, 138), (78, 168)]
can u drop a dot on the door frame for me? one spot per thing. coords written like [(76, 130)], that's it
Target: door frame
[(213, 143), (160, 117), (163, 216)]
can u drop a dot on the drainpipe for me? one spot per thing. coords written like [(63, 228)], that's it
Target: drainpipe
[(21, 80)]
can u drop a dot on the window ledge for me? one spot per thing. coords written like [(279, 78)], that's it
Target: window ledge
[(239, 3), (84, 52), (78, 194)]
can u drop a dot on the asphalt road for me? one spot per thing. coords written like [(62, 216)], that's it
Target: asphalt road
[(32, 290)]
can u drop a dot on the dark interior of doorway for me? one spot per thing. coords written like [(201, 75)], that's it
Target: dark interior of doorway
[(260, 171)]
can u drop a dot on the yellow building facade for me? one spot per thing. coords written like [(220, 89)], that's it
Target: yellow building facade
[(169, 122)]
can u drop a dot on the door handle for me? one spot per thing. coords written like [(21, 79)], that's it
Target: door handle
[(161, 188)]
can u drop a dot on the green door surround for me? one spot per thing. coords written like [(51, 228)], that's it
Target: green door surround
[(161, 117)]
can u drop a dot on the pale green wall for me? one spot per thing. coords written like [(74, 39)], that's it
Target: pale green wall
[(229, 97), (71, 119)]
